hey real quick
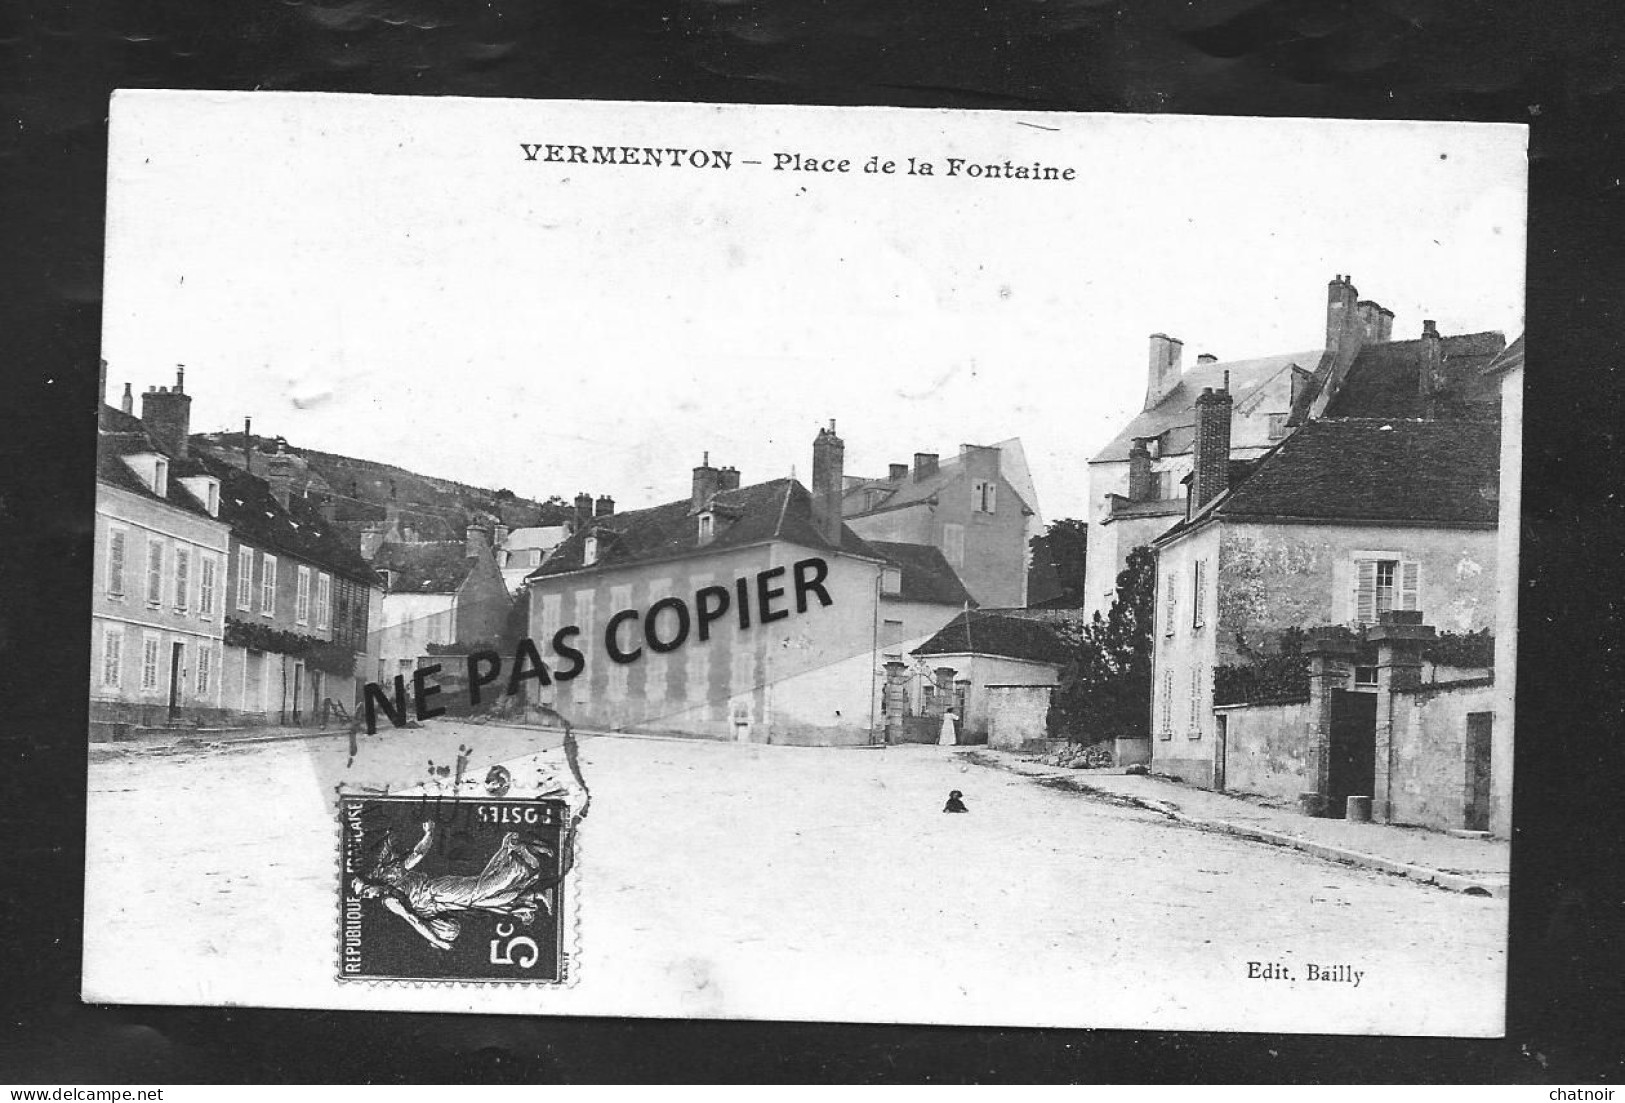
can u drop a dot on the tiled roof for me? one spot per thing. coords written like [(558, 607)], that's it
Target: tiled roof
[(542, 536), (991, 633), (1177, 410), (258, 519), (123, 435), (781, 509), (927, 574), (1371, 470), (909, 491), (424, 567), (1385, 378), (1511, 357)]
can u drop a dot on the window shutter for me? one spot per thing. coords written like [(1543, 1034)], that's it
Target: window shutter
[(183, 578), (1410, 577), (1172, 610), (115, 562), (1365, 591)]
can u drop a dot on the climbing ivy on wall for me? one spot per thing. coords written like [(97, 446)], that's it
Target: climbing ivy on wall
[(334, 658)]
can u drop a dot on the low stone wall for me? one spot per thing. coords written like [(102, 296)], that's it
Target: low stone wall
[(1427, 783), (1267, 748), (1018, 715)]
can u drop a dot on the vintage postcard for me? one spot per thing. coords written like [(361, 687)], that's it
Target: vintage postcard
[(680, 560)]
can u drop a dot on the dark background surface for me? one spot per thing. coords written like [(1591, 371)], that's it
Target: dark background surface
[(1555, 66)]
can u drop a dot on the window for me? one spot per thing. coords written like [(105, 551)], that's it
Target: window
[(1171, 605), (1384, 582), (1365, 675), (245, 577), (1277, 426), (205, 669), (1166, 728), (589, 551), (953, 545), (149, 661), (205, 586), (183, 578), (268, 585), (891, 580), (160, 478), (212, 500), (984, 496), (1196, 703), (707, 527), (112, 657), (155, 571), (324, 600), (1199, 593), (891, 633), (301, 601), (115, 562)]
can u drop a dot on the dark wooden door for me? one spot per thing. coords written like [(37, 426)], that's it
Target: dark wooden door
[(1480, 726), (1352, 768), (176, 652)]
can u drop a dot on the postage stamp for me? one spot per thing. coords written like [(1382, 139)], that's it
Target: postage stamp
[(439, 888)]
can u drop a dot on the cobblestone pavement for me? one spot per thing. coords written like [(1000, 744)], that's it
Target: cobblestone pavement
[(769, 882)]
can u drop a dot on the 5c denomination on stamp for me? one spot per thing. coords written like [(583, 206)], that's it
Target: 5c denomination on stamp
[(452, 888)]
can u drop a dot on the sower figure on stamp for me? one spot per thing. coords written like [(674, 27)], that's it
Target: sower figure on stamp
[(510, 885)]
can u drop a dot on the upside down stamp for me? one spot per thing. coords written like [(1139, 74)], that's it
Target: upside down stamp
[(458, 888)]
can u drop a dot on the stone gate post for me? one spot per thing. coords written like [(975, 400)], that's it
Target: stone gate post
[(1400, 637), (1330, 655)]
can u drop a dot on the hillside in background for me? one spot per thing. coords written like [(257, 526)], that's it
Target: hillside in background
[(358, 491)]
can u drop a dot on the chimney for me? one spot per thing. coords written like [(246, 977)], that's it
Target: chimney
[(499, 535), (1430, 377), (168, 416), (729, 479), (1206, 358), (1343, 330), (1376, 321), (1139, 471), (898, 472), (707, 479), (372, 535), (279, 474), (1210, 475), (476, 542), (828, 477), (583, 516), (248, 445), (127, 403), (925, 465), (1162, 368), (605, 506)]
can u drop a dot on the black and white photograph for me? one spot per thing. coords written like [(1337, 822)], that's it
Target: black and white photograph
[(826, 564)]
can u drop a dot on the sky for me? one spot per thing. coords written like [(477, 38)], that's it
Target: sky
[(391, 278)]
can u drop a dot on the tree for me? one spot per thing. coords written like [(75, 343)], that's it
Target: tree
[(1105, 690), (1058, 558)]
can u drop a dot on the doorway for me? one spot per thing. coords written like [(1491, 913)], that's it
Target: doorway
[(177, 652), (298, 690), (1476, 814), (1221, 737), (1352, 767)]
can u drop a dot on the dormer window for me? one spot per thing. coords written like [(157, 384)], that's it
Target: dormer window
[(206, 489), (891, 580), (160, 478), (589, 551), (708, 527)]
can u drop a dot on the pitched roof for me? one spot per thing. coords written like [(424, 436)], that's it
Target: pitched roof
[(124, 435), (994, 633), (536, 536), (781, 509), (1385, 378), (1372, 470), (927, 574), (423, 567), (910, 491), (1177, 410), (1510, 358), (300, 530)]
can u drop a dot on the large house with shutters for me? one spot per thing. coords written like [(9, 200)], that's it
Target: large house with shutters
[(159, 594), (221, 598), (1347, 519), (748, 613)]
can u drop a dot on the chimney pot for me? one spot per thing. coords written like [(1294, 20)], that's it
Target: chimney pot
[(127, 403), (728, 478), (605, 506)]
